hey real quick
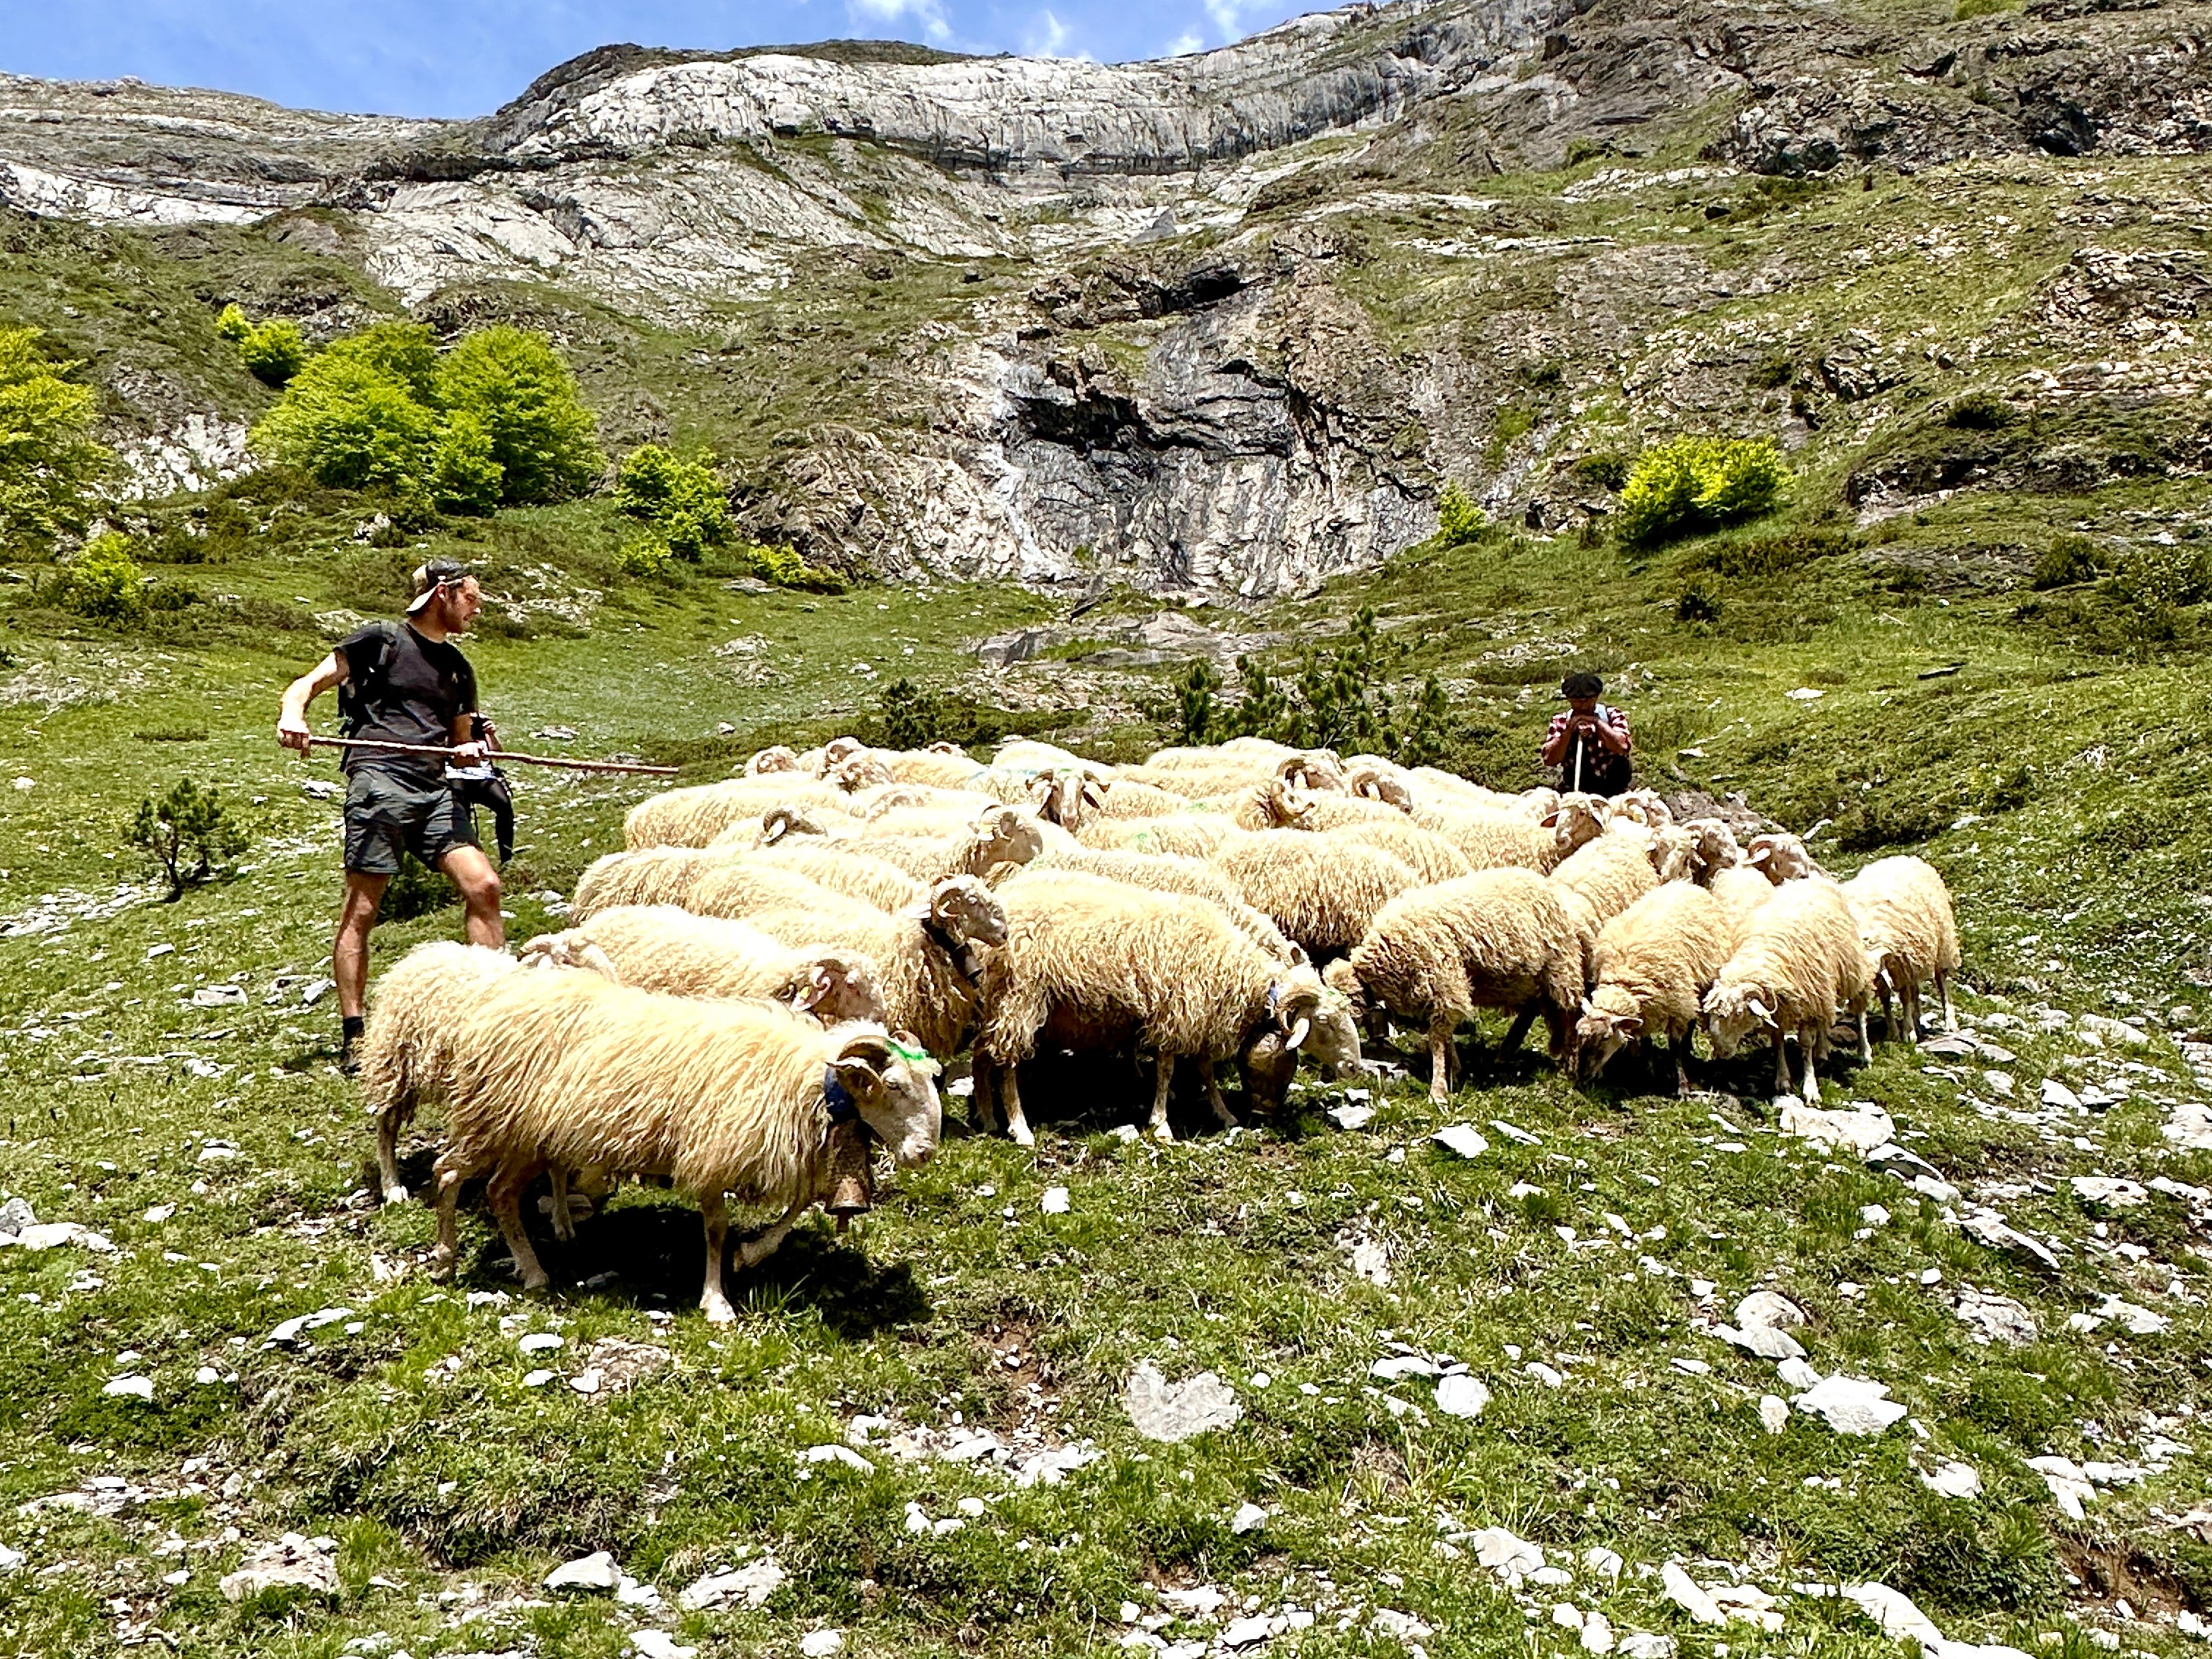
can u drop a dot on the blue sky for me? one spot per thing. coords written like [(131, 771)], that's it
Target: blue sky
[(468, 56)]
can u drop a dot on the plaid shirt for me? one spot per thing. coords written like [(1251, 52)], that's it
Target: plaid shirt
[(1600, 757)]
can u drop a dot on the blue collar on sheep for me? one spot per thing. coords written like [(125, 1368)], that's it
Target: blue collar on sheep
[(838, 1099)]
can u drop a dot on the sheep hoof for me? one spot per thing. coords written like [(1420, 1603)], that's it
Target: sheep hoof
[(395, 1194), (1023, 1136), (441, 1262), (719, 1311), (1163, 1135)]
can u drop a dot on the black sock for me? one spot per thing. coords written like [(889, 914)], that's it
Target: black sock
[(350, 1027)]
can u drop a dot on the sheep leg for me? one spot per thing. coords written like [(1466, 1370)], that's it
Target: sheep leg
[(1010, 1107), (983, 1079), (1517, 1035), (504, 1194), (1157, 1123), (1678, 1046), (1908, 996), (447, 1254), (1226, 1118), (1943, 990), (564, 1225), (388, 1123), (1811, 1092), (1780, 1064), (752, 1254), (1866, 1043), (1440, 1057), (1904, 1002), (713, 1300)]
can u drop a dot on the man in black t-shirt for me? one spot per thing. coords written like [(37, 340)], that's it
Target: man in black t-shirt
[(403, 682)]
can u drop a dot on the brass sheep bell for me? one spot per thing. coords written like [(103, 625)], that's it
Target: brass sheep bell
[(851, 1173)]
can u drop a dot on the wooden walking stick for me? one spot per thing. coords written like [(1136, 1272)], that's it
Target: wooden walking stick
[(498, 756)]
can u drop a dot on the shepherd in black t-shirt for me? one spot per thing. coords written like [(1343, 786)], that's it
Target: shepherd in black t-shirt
[(403, 682)]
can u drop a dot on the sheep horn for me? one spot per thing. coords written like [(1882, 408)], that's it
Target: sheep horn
[(1298, 1034), (1760, 1009), (773, 828), (591, 956)]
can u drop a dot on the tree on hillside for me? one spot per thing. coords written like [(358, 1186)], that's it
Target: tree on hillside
[(495, 422), (546, 441), (49, 461)]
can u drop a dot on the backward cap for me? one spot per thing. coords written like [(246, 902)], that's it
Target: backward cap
[(430, 576)]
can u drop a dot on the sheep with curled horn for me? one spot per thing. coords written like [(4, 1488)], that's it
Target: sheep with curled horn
[(1316, 771), (1370, 782), (775, 758)]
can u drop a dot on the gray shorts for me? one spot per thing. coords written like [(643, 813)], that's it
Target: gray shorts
[(386, 816)]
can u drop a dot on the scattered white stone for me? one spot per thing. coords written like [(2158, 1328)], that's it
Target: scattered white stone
[(1858, 1131), (1597, 1633), (1351, 1116), (1985, 1226), (1513, 1132), (1545, 1374), (1690, 1367), (1054, 1201), (1686, 1593), (1510, 1557), (1955, 1479), (595, 1572), (541, 1342), (1773, 1413), (315, 990), (219, 996), (52, 1235), (1804, 694), (537, 1379), (130, 1388), (1769, 1310), (1370, 1261), (1403, 1625), (1246, 1632), (1390, 1369), (1460, 1395), (1173, 1411), (207, 1377), (286, 1333), (2108, 1192), (1200, 1602), (1249, 1517), (291, 1561), (2000, 1083), (1646, 1644), (1462, 1138), (157, 1213), (589, 1381), (2140, 1322), (831, 1452), (1850, 1405), (1764, 1341), (659, 1644), (1605, 1563), (821, 1644), (2056, 1093), (1875, 1215), (1997, 1318)]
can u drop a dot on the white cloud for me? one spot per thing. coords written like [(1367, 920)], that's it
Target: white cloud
[(929, 14), (1047, 35), (1188, 41), (1224, 14)]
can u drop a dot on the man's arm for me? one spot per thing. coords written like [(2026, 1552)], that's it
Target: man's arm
[(292, 729), (1553, 751), (1613, 733)]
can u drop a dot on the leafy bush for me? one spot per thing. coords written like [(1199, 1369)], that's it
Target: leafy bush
[(1459, 519), (912, 717), (2068, 560), (1979, 411), (779, 564), (187, 833), (495, 422), (233, 324), (644, 555), (1606, 471), (683, 499), (104, 582), (273, 351), (2156, 577), (1694, 485), (1339, 699), (546, 441), (48, 460)]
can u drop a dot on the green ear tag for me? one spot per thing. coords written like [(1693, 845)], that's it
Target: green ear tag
[(912, 1056)]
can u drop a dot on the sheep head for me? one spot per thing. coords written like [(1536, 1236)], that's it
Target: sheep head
[(894, 1085), (970, 911), (1285, 808), (1578, 818), (1314, 770), (1011, 835), (568, 950), (1609, 1022), (1269, 1058), (777, 758), (835, 986), (1372, 783), (1645, 806), (1734, 1013), (1780, 857), (1539, 803), (780, 821), (1716, 845), (1333, 1044), (1673, 852), (860, 770)]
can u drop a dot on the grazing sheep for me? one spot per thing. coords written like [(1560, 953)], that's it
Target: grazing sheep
[(721, 1098), (1739, 892), (1905, 922), (998, 834), (1717, 846), (694, 816), (1654, 963), (1162, 872), (1432, 787), (1372, 778), (1674, 852), (1250, 754), (780, 821), (1604, 876), (1273, 805), (1494, 840), (1091, 965), (646, 875), (1428, 854), (1324, 812), (1645, 806), (1323, 892), (1131, 798), (943, 766), (739, 889), (1799, 961), (850, 868), (775, 758), (659, 947), (1191, 834), (1781, 857), (928, 961), (1497, 938), (406, 1049)]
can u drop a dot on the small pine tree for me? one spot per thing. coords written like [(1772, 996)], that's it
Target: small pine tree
[(1195, 706), (187, 833), (912, 718), (1459, 517)]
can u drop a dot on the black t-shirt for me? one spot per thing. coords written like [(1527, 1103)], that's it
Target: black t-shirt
[(424, 686)]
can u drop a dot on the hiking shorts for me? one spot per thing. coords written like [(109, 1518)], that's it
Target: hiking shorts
[(386, 816)]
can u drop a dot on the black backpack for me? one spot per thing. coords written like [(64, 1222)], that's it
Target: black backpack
[(364, 681)]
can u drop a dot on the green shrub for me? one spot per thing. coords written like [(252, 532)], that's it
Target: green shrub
[(104, 582), (1979, 411), (2163, 578), (232, 325), (683, 499), (273, 352), (1606, 471), (1694, 485), (348, 421), (1340, 699), (545, 440), (49, 462), (1195, 706), (2068, 560), (187, 833), (780, 565), (912, 718), (1459, 519), (644, 555), (465, 475)]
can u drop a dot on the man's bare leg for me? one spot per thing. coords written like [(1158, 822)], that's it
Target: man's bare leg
[(471, 872), (349, 953)]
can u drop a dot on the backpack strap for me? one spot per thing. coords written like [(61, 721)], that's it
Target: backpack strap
[(364, 681)]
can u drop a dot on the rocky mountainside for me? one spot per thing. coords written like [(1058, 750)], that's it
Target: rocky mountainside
[(1225, 322)]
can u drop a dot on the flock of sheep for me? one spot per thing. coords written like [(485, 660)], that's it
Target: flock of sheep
[(777, 968)]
